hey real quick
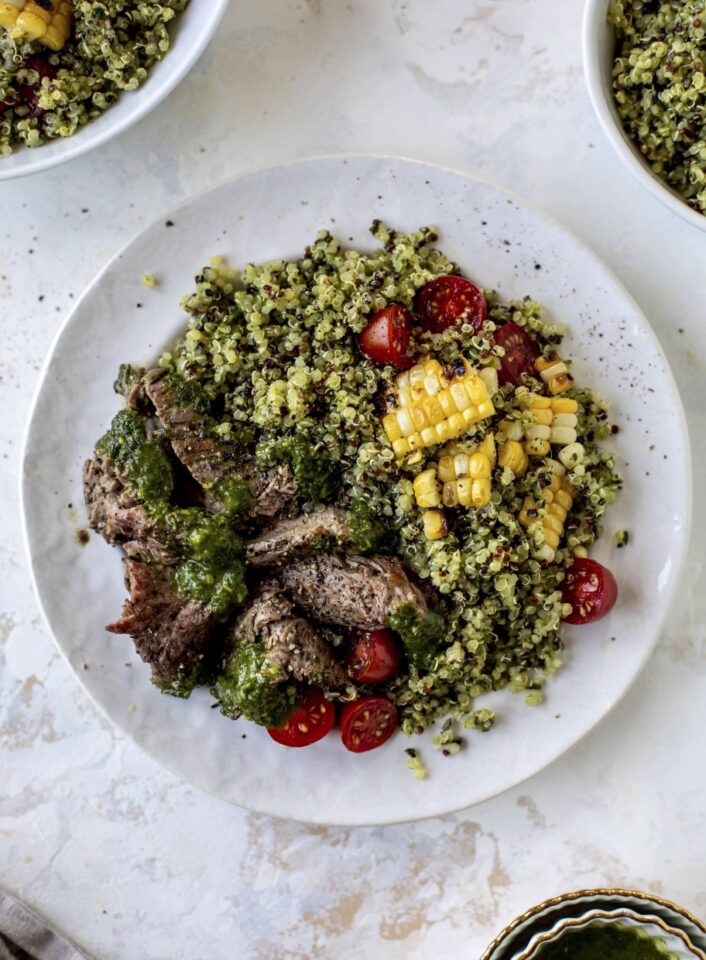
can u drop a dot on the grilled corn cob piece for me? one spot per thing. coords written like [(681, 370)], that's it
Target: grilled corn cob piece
[(434, 524), (554, 373), (555, 422), (427, 491), (558, 498), (48, 21), (513, 456), (435, 404), (466, 477)]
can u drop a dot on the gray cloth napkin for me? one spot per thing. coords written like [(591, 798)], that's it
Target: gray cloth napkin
[(25, 936)]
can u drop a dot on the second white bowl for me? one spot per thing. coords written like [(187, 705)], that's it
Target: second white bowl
[(598, 50)]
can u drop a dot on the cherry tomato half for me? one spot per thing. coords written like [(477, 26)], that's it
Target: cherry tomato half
[(520, 352), (27, 93), (451, 301), (386, 337), (591, 590), (311, 720), (374, 657), (367, 723)]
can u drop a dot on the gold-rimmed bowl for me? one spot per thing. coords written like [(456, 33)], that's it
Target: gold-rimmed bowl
[(683, 936)]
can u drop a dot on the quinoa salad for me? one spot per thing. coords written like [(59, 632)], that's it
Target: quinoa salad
[(359, 490), (659, 87), (64, 62)]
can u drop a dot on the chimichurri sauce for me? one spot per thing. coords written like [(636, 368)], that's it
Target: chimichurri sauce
[(420, 636), (144, 462), (604, 942), (250, 686)]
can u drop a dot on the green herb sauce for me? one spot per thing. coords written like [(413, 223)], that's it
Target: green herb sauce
[(420, 636), (184, 684), (144, 462), (315, 474), (214, 571), (189, 393), (234, 494), (251, 686), (367, 532), (605, 942)]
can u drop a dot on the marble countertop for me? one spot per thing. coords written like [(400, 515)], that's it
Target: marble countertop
[(131, 862)]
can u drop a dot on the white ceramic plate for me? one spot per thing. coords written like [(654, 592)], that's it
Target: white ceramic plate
[(502, 244), (190, 34)]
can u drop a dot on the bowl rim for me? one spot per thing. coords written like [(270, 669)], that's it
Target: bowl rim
[(594, 15), (147, 98), (596, 892), (591, 916)]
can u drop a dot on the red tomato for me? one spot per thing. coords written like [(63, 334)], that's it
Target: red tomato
[(374, 657), (27, 93), (367, 723), (311, 720), (451, 301), (520, 352), (386, 337), (591, 590)]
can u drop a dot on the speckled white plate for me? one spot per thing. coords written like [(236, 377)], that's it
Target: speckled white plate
[(499, 242)]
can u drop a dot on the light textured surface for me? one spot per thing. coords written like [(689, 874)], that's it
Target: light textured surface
[(125, 858)]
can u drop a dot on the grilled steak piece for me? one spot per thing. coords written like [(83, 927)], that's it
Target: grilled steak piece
[(291, 642), (129, 385), (302, 534), (351, 591), (115, 512), (171, 632), (208, 458)]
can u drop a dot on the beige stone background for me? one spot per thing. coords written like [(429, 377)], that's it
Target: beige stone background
[(133, 863)]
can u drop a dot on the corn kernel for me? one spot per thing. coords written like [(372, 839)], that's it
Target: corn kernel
[(434, 524), (481, 492)]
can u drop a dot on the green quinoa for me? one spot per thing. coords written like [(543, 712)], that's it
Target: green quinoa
[(276, 349), (111, 49), (660, 88)]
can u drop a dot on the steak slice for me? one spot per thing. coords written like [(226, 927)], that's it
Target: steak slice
[(171, 631), (302, 534), (349, 590), (116, 513), (208, 458), (291, 642)]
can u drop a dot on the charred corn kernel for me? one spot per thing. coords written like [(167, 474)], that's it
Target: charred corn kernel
[(537, 432), (479, 466), (449, 493), (554, 373), (512, 455), (537, 448), (488, 448), (434, 523), (562, 435), (435, 404), (48, 21), (466, 476), (509, 430), (543, 416), (558, 497), (426, 489), (572, 454), (480, 492), (554, 466), (489, 376)]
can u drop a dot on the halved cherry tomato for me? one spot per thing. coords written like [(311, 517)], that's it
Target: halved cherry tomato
[(311, 720), (27, 93), (386, 337), (374, 657), (451, 301), (520, 352), (367, 723), (591, 590)]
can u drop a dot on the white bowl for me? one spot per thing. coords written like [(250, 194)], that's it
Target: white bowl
[(598, 47), (190, 33)]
